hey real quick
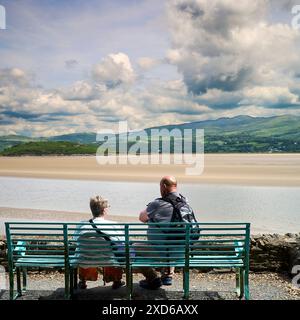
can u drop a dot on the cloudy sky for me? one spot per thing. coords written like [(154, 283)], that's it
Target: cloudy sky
[(76, 66)]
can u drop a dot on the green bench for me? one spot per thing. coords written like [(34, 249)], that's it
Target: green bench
[(59, 245)]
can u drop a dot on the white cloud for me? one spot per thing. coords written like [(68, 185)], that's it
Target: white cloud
[(270, 96), (232, 59), (14, 76), (114, 70), (231, 45), (82, 90)]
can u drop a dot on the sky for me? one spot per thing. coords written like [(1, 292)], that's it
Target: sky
[(71, 66)]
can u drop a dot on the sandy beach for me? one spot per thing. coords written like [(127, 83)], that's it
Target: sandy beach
[(14, 214), (44, 215), (239, 169)]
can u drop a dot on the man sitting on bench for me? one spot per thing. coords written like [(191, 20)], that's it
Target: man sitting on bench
[(161, 210)]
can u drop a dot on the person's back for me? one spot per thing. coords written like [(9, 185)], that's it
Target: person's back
[(109, 231), (161, 211), (108, 227)]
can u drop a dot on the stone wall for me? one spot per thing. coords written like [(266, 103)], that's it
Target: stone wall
[(269, 252), (273, 252)]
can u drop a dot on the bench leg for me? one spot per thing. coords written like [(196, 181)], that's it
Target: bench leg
[(11, 282), (186, 283), (24, 275), (240, 283), (71, 282), (67, 284), (19, 289), (75, 279), (247, 293), (129, 283)]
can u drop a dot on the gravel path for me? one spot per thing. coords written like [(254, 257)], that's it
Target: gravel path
[(203, 286)]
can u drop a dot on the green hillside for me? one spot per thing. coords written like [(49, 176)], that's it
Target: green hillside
[(49, 148), (12, 140), (282, 126), (238, 134), (85, 137)]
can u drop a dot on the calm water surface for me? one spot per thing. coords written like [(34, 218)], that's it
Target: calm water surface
[(269, 209)]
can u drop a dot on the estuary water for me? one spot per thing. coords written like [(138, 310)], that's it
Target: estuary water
[(269, 209)]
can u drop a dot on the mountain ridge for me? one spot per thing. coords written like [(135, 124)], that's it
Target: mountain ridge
[(236, 134)]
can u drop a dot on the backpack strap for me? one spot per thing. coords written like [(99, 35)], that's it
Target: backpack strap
[(91, 221), (107, 238), (173, 200), (170, 198)]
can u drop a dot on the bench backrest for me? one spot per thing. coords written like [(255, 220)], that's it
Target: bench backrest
[(170, 244), (37, 244), (159, 244)]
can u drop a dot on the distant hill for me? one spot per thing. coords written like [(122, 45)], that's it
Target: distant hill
[(49, 148), (12, 140), (237, 134), (281, 126), (88, 137), (284, 127)]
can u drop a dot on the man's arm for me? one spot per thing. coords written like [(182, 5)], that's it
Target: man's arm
[(144, 216), (150, 212)]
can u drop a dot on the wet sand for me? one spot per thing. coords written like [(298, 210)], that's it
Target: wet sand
[(238, 169), (39, 214), (14, 215)]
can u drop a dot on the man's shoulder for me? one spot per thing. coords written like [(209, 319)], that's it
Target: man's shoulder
[(155, 203), (159, 206)]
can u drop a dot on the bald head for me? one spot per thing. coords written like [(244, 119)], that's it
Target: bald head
[(168, 184)]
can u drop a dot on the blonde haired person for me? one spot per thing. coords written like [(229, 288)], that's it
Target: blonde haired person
[(99, 208)]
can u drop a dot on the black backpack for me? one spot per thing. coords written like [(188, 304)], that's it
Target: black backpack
[(182, 212)]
